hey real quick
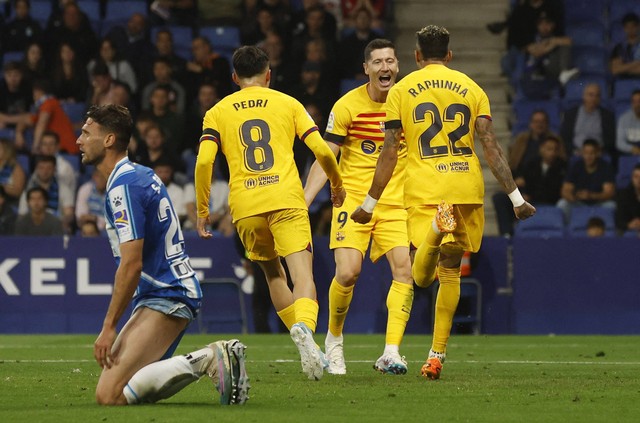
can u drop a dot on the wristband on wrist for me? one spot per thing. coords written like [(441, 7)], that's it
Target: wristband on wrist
[(368, 204), (516, 198)]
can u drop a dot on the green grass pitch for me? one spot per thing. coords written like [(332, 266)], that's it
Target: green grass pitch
[(51, 378)]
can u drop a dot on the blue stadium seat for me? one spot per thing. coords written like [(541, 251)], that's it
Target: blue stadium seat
[(580, 217), (625, 167), (222, 305), (182, 37), (25, 163), (74, 161), (222, 37), (91, 8), (349, 84), (75, 111), (469, 311), (590, 60), (40, 11), (548, 222), (619, 8), (12, 56), (7, 133), (622, 89), (590, 34), (578, 11), (620, 107), (523, 108), (118, 12), (573, 90)]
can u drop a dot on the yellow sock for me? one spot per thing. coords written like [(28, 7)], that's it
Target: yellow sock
[(399, 301), (339, 300), (288, 316), (306, 311), (425, 261), (446, 305)]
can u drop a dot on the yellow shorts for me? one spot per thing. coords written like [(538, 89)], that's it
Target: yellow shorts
[(275, 233), (387, 229), (467, 235)]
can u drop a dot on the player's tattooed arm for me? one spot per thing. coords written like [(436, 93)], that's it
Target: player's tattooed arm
[(386, 162), (494, 155)]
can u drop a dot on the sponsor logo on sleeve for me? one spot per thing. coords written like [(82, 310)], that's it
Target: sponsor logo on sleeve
[(331, 122)]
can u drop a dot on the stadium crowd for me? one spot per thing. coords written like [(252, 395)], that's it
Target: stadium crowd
[(573, 67), (168, 62), (574, 73)]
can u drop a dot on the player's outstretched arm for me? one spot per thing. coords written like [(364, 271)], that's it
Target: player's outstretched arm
[(317, 178), (125, 284), (203, 171), (327, 160), (500, 167)]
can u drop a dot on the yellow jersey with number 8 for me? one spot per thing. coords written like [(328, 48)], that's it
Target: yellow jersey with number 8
[(255, 131)]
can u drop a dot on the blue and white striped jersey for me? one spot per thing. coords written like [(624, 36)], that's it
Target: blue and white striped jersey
[(137, 206)]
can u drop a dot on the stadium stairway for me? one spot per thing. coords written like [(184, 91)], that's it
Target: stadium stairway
[(476, 52)]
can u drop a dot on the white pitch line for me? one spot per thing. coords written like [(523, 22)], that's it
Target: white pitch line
[(524, 362)]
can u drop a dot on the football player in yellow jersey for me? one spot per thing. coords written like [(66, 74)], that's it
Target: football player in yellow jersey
[(441, 112), (356, 130), (255, 129)]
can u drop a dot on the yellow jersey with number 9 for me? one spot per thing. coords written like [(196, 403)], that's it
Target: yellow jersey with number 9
[(256, 128), (437, 108)]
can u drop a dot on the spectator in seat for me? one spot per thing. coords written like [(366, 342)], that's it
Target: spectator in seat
[(165, 170), (60, 197), (352, 64), (628, 131), (16, 97), (311, 90), (595, 227), (38, 220), (589, 181), (22, 29), (258, 30), (171, 123), (65, 173), (164, 49), (102, 85), (48, 116), (526, 145), (589, 121), (282, 73), (207, 66), (625, 58), (375, 9), (73, 27), (540, 181), (155, 148), (207, 98), (628, 205), (119, 68), (132, 41), (7, 215), (90, 201), (70, 81), (548, 62), (13, 177), (162, 74), (33, 64)]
